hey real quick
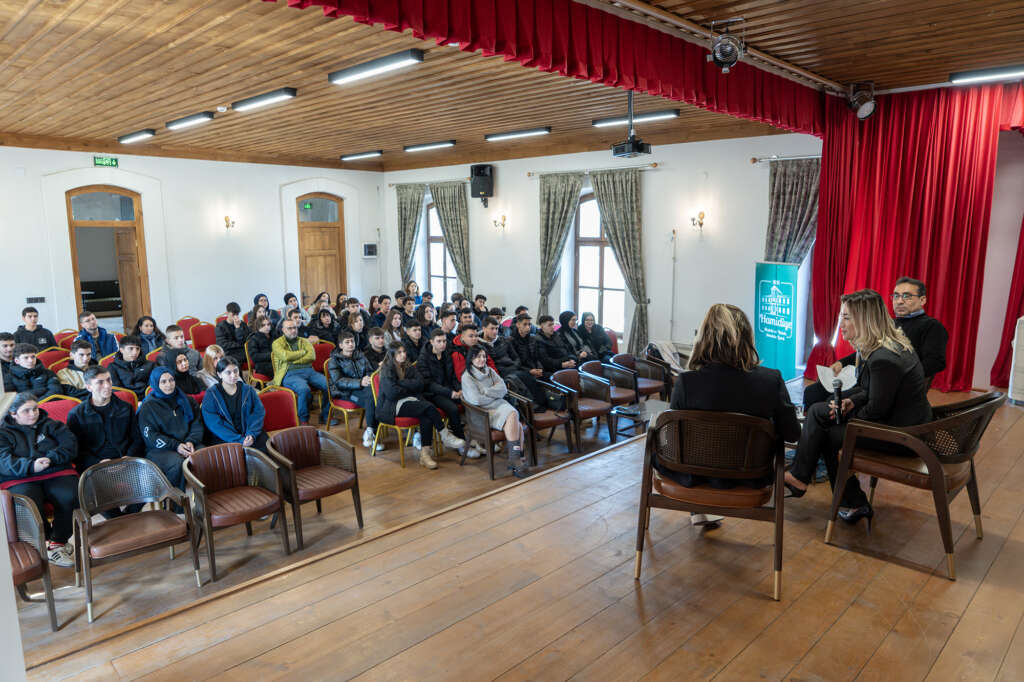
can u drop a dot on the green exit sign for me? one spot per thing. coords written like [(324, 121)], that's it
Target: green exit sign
[(308, 206), (105, 161)]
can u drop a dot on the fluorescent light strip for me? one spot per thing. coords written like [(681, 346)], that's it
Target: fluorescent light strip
[(1008, 73), (265, 99), (376, 66), (362, 155), (515, 134), (189, 121), (639, 118), (429, 145), (137, 136)]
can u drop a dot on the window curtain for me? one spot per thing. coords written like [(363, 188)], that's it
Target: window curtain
[(410, 215), (792, 209), (618, 198), (559, 199), (453, 214), (909, 192), (1000, 375)]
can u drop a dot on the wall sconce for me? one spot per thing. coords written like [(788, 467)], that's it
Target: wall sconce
[(228, 223), (499, 224), (698, 222)]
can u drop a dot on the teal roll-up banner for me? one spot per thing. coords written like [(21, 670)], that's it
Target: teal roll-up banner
[(775, 316)]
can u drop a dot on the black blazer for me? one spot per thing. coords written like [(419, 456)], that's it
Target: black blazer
[(891, 389)]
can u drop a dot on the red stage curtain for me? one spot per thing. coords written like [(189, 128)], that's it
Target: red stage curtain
[(580, 41), (1014, 309), (908, 192)]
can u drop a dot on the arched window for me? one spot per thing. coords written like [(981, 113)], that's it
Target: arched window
[(442, 279), (600, 287)]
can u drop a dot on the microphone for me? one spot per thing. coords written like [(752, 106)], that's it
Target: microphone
[(837, 388)]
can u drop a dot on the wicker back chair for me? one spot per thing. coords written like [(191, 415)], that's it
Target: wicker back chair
[(623, 390), (121, 482), (939, 457), (26, 545), (652, 377), (714, 445)]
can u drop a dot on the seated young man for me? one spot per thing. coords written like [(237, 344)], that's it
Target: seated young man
[(553, 353), (30, 330), (104, 425), (232, 333), (466, 317), (29, 375), (384, 301), (412, 339), (501, 350), (480, 308), (7, 344), (447, 325), (427, 298), (295, 316), (352, 306), (102, 342), (525, 345), (349, 371), (72, 377), (293, 359), (376, 348), (523, 310), (175, 341), (130, 369), (441, 385), (468, 337)]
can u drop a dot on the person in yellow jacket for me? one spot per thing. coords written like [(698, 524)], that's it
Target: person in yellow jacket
[(293, 368)]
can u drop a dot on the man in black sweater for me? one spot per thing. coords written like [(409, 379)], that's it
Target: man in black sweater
[(104, 425), (232, 333), (32, 332)]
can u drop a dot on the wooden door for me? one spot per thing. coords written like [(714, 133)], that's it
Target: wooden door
[(321, 249), (128, 275)]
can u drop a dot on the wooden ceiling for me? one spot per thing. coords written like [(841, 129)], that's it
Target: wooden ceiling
[(76, 74)]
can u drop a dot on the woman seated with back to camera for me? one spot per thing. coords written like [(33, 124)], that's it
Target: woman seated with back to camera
[(891, 389), (726, 376)]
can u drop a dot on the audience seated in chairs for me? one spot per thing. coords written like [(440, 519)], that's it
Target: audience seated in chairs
[(232, 410), (7, 344), (99, 339), (441, 385), (130, 369), (259, 347), (208, 374), (551, 350), (171, 425), (891, 389), (30, 330), (376, 347), (148, 333), (293, 368), (506, 362), (324, 327), (104, 426), (596, 337), (349, 371), (29, 375), (482, 387), (72, 379), (261, 306), (231, 333), (175, 342), (35, 461)]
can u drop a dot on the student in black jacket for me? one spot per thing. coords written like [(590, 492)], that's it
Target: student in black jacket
[(259, 345), (171, 425), (552, 352), (28, 375), (324, 327), (440, 386), (412, 339), (376, 347), (524, 343), (574, 343), (349, 373), (7, 344), (105, 426), (596, 337), (32, 332), (130, 369), (506, 362), (891, 389), (231, 333)]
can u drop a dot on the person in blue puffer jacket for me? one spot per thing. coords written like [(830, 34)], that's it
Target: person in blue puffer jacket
[(232, 410)]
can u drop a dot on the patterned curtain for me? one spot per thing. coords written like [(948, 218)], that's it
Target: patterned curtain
[(410, 213), (792, 209), (559, 198), (618, 198), (453, 214)]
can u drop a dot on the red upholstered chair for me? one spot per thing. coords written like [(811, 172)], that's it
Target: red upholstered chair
[(48, 356), (57, 406), (314, 465), (613, 338), (26, 545), (623, 382), (118, 336), (346, 407), (282, 408), (403, 426), (220, 318), (323, 351), (186, 323), (651, 377), (589, 398), (154, 354), (65, 337), (127, 396), (107, 359), (231, 485), (204, 335), (59, 364), (255, 378)]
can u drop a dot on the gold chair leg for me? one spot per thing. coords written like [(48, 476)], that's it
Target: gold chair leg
[(401, 447), (636, 565), (376, 437), (977, 526), (951, 566), (828, 531), (777, 588)]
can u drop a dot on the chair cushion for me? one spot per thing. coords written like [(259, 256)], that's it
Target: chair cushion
[(135, 531), (25, 562), (497, 436), (545, 420), (622, 396), (262, 377), (907, 470), (591, 407), (649, 386), (406, 422), (344, 404), (320, 481), (238, 505), (740, 497)]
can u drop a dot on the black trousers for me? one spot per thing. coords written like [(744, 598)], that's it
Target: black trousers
[(814, 394), (428, 416), (537, 392), (62, 493), (823, 438), (451, 410), (169, 462)]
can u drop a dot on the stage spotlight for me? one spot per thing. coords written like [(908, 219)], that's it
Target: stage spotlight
[(861, 98)]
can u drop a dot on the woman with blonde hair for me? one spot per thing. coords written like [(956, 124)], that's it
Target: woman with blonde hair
[(891, 389), (208, 374)]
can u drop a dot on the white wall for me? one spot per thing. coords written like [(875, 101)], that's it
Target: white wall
[(195, 265)]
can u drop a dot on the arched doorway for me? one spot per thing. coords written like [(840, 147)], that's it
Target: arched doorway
[(108, 253), (321, 221)]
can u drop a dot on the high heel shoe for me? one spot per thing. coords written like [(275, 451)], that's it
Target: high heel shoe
[(794, 491), (852, 516)]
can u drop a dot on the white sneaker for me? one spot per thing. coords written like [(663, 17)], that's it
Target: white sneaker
[(473, 453), (476, 444), (368, 438), (380, 446), (705, 519), (450, 440), (417, 442), (426, 460), (60, 555)]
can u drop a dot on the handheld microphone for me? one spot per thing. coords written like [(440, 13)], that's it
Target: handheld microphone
[(837, 389)]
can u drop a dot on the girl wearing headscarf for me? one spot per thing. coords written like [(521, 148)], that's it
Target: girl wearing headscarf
[(171, 425), (579, 349), (149, 334), (191, 385), (596, 337), (261, 306)]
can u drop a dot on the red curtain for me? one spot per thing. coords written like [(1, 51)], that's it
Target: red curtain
[(908, 192), (580, 41), (1014, 309)]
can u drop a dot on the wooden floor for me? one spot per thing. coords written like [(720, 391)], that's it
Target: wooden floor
[(535, 582)]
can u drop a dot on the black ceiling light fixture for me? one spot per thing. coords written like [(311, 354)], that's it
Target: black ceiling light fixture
[(861, 98), (633, 146), (726, 48)]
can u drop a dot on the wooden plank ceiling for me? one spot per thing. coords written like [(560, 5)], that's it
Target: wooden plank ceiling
[(75, 74)]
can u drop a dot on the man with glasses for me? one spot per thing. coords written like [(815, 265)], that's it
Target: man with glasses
[(926, 334)]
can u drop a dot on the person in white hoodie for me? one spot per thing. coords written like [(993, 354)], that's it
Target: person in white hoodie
[(484, 388)]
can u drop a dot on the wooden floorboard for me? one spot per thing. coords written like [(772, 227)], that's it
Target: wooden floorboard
[(535, 582)]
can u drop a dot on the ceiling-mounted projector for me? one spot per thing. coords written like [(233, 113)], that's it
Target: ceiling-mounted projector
[(633, 146)]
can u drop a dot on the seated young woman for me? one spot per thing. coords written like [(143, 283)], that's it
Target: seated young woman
[(484, 388), (393, 327), (259, 346), (35, 460), (261, 306), (891, 389), (185, 381), (171, 425), (208, 374), (401, 389), (148, 333), (357, 325), (232, 410), (325, 327), (349, 370), (425, 315), (322, 300), (573, 341), (596, 337), (130, 369)]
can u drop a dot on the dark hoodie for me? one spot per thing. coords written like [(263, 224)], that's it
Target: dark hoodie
[(38, 381), (184, 380), (168, 421), (104, 433), (328, 332), (259, 352), (132, 375), (40, 337), (231, 339), (574, 342), (22, 445)]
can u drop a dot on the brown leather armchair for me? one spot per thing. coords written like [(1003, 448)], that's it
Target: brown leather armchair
[(314, 465), (228, 485), (122, 482), (652, 377), (589, 397), (478, 427), (623, 381), (549, 419), (26, 544)]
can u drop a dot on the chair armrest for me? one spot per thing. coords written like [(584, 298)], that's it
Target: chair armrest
[(337, 452), (30, 524), (858, 428), (572, 398), (478, 422), (196, 490), (652, 369), (263, 472), (594, 387), (620, 376), (524, 405), (278, 458)]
